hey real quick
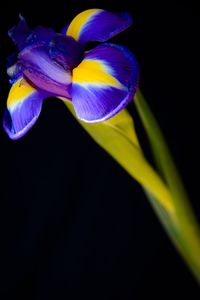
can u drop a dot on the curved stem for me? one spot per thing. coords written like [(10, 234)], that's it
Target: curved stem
[(124, 148), (117, 136), (185, 233)]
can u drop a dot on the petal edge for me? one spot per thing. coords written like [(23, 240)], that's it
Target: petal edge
[(104, 83), (97, 25), (23, 108)]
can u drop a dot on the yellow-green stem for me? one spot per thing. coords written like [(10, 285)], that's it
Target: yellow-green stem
[(165, 191), (185, 232), (125, 150)]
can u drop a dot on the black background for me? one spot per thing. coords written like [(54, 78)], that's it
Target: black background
[(73, 223)]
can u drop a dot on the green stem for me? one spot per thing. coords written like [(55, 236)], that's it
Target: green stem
[(113, 137), (184, 232)]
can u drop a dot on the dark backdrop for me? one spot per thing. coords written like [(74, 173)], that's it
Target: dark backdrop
[(73, 223)]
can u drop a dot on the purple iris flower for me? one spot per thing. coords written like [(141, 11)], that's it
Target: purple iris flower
[(99, 82)]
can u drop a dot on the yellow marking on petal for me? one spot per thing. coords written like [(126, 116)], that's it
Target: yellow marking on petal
[(78, 23), (94, 72), (18, 92)]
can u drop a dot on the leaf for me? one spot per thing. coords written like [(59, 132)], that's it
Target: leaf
[(183, 229), (118, 137)]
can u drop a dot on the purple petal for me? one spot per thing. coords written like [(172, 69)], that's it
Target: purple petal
[(65, 51), (97, 25), (23, 108), (104, 83), (19, 33), (40, 36), (23, 36), (43, 72)]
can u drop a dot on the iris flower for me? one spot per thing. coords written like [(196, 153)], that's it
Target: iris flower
[(99, 82)]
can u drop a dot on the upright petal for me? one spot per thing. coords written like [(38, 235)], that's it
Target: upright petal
[(19, 33), (104, 82), (23, 108), (23, 36), (97, 25), (65, 51), (40, 36)]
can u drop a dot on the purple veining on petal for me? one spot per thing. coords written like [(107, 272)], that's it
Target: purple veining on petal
[(48, 65), (47, 84), (43, 72), (39, 59)]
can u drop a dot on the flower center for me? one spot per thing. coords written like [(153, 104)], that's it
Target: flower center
[(39, 61), (49, 65)]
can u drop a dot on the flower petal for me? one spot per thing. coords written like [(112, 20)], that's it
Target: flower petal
[(23, 108), (65, 51), (23, 36), (43, 72), (19, 33), (40, 36), (97, 25), (104, 82)]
